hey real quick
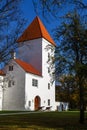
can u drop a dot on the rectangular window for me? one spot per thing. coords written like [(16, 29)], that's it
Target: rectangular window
[(48, 102), (29, 103), (9, 83), (48, 85), (48, 56), (48, 70), (13, 82), (11, 68), (35, 82)]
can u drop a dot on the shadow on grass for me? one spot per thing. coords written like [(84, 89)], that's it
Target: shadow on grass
[(43, 121)]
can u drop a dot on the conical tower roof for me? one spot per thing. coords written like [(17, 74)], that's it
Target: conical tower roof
[(35, 30)]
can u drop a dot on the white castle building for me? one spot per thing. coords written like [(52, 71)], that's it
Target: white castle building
[(27, 85)]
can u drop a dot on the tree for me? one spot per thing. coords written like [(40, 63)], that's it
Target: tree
[(11, 24), (71, 54), (68, 91), (57, 8)]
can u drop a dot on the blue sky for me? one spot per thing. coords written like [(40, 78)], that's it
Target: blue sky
[(29, 13), (28, 10)]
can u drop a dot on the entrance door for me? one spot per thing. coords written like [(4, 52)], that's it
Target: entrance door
[(36, 102)]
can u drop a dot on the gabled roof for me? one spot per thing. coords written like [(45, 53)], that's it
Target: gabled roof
[(2, 73), (36, 30), (27, 67)]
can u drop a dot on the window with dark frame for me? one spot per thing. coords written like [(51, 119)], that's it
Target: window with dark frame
[(13, 82), (48, 56), (35, 82), (48, 85), (11, 68), (9, 83), (29, 103), (48, 70), (48, 102)]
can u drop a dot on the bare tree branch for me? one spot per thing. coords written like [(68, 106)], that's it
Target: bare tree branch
[(11, 24)]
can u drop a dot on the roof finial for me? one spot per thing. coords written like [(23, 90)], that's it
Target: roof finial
[(13, 54)]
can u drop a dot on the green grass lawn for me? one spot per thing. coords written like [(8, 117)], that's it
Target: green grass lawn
[(43, 121)]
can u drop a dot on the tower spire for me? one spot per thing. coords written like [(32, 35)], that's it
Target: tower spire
[(36, 30)]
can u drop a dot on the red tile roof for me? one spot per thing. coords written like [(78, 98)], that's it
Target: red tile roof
[(36, 30), (2, 73), (27, 67)]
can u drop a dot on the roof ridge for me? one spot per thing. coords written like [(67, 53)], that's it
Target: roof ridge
[(43, 29), (39, 25), (38, 20)]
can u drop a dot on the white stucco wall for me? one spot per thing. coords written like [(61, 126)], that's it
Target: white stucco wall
[(1, 91), (17, 96), (14, 96), (31, 52), (46, 75), (62, 106), (42, 90)]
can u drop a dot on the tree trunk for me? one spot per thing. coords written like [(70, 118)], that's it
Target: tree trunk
[(81, 104)]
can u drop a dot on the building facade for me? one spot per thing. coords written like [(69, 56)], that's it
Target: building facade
[(28, 80), (28, 85), (2, 75)]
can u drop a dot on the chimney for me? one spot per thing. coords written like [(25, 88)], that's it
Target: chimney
[(13, 54)]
